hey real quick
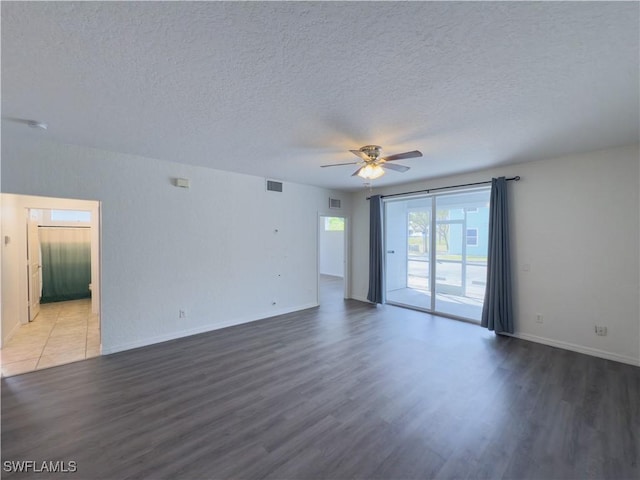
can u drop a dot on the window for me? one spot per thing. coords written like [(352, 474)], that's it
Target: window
[(472, 237), (333, 224), (70, 216)]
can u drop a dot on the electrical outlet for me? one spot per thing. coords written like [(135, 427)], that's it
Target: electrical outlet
[(601, 331), (182, 314), (539, 318)]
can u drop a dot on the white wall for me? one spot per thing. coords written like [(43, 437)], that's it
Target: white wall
[(575, 221), (211, 250), (331, 251)]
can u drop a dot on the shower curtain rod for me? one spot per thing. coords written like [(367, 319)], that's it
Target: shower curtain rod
[(429, 190), (62, 226)]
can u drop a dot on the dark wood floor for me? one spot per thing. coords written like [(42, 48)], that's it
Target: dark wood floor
[(347, 390)]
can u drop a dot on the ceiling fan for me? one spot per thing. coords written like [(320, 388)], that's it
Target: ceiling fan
[(372, 165)]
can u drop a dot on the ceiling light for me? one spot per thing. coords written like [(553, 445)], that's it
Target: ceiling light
[(371, 172)]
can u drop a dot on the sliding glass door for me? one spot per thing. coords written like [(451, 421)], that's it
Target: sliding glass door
[(407, 246), (436, 252)]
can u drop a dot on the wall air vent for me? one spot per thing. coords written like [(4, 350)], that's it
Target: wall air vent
[(273, 186), (335, 203)]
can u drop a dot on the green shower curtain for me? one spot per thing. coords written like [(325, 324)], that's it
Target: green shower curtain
[(66, 263)]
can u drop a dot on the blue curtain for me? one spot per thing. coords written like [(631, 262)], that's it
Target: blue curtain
[(497, 312), (375, 293), (66, 263)]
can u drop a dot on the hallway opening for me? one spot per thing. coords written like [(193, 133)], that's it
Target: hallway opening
[(331, 257), (51, 308)]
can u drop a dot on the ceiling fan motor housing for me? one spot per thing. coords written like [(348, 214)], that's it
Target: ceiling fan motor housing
[(372, 151)]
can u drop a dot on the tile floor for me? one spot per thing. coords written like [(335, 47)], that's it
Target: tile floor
[(62, 332)]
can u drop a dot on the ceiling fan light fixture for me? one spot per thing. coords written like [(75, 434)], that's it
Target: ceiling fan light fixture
[(371, 172)]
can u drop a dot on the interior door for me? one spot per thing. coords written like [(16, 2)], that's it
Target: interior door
[(33, 265)]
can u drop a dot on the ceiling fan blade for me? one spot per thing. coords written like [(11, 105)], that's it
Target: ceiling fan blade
[(393, 166), (357, 171), (400, 156), (339, 164), (360, 154)]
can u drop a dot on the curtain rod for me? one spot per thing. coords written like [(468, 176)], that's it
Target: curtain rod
[(429, 190)]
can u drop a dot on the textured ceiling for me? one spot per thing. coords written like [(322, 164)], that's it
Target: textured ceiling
[(277, 89)]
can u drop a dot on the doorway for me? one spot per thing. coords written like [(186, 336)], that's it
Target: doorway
[(58, 321), (436, 252), (332, 259)]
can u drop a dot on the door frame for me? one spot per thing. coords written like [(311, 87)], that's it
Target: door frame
[(345, 249), (30, 262), (21, 204)]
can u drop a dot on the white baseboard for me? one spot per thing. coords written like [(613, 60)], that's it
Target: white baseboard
[(10, 335), (578, 348), (144, 342), (208, 328), (360, 299)]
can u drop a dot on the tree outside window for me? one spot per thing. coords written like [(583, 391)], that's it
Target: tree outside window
[(333, 224)]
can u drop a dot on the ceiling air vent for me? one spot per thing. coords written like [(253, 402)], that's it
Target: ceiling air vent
[(274, 186), (335, 203)]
